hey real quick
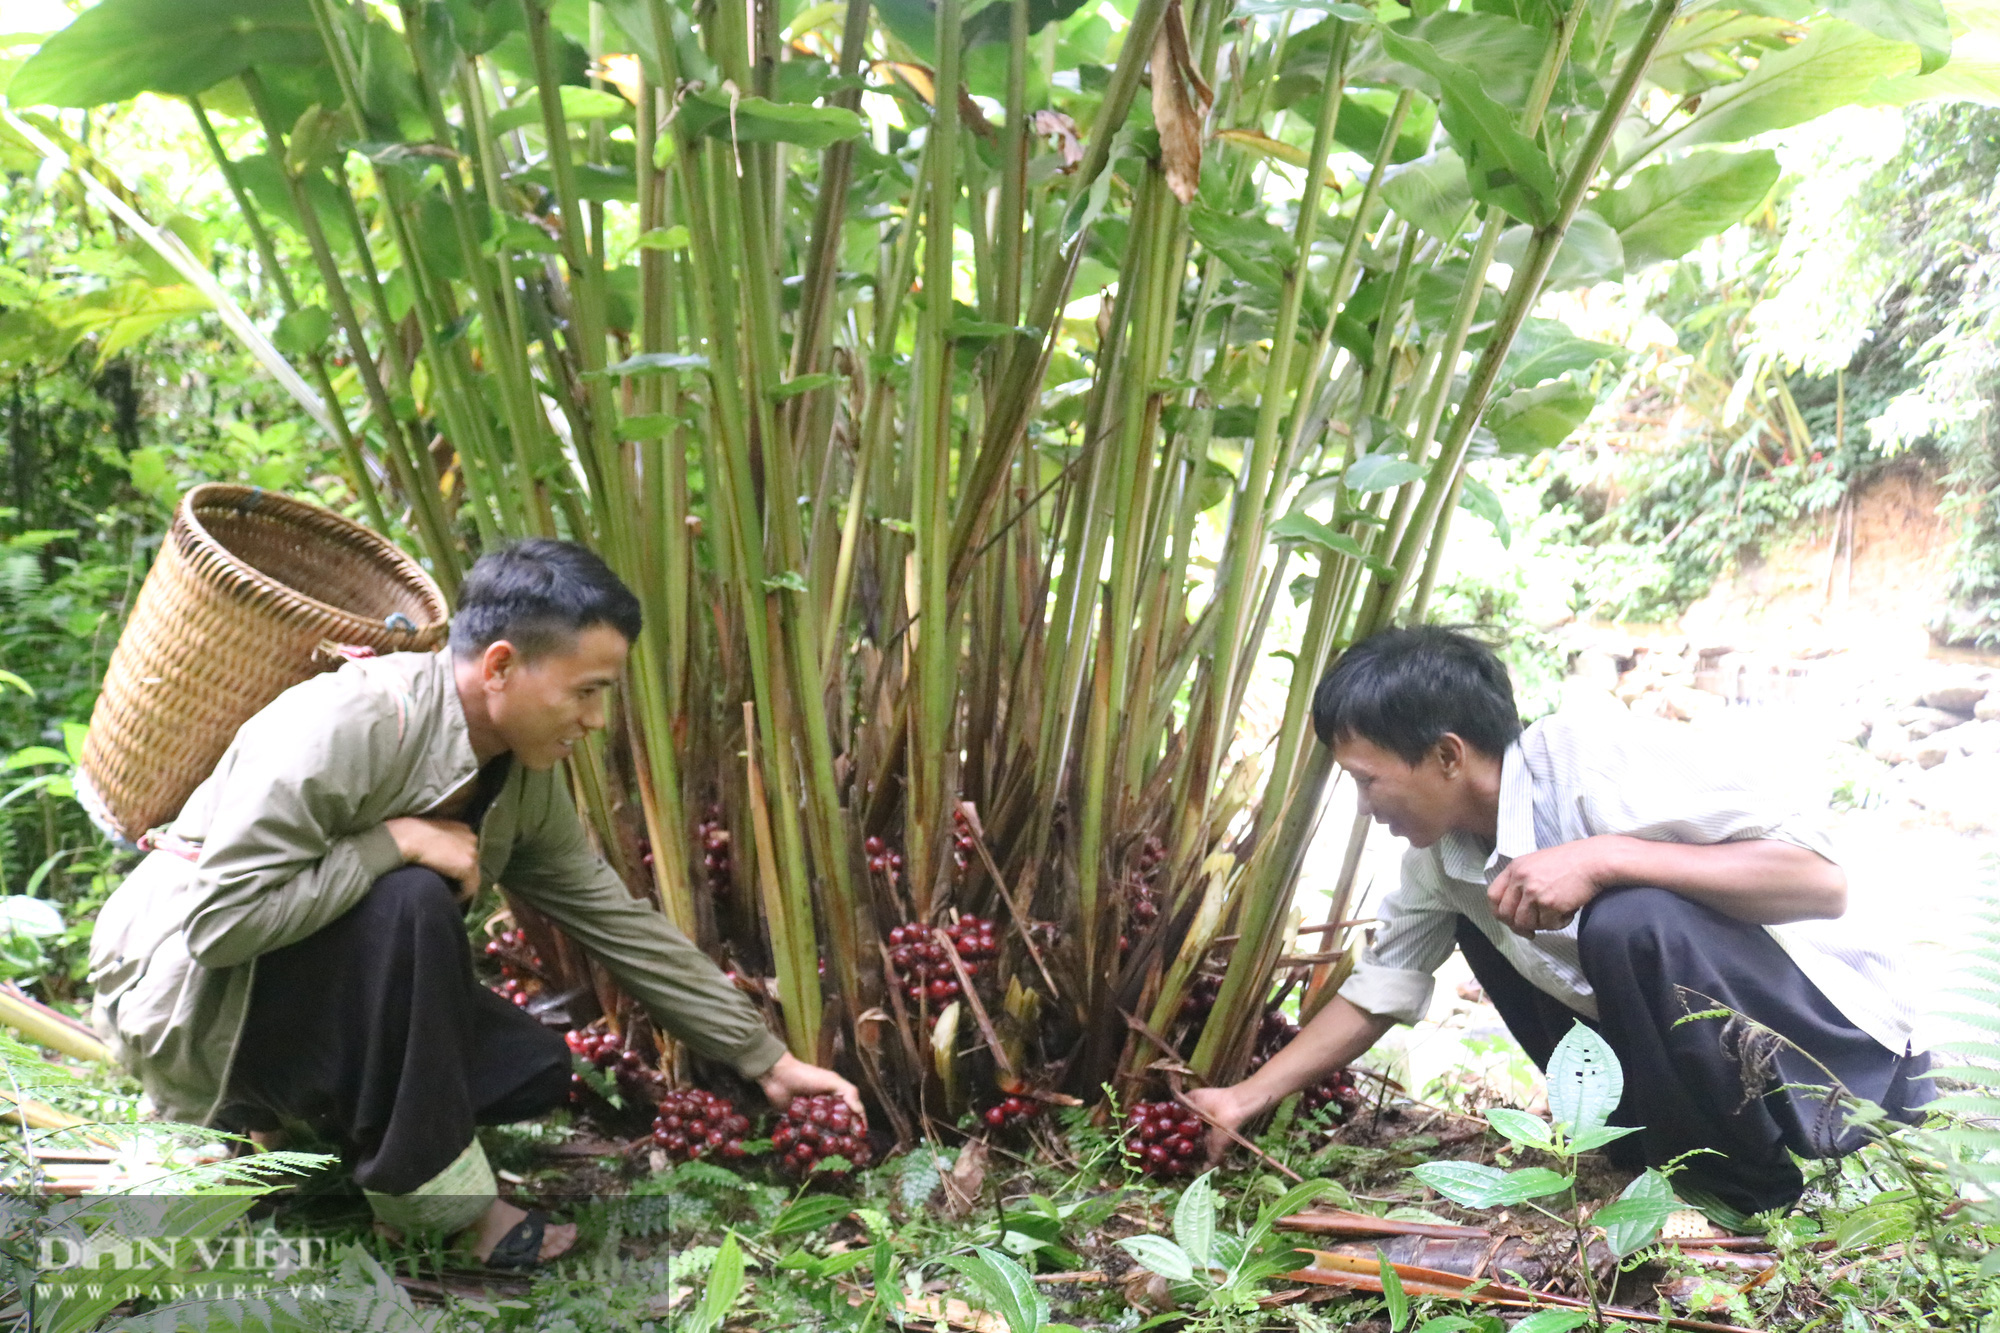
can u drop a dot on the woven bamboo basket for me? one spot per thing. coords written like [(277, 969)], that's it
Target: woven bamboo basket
[(248, 596)]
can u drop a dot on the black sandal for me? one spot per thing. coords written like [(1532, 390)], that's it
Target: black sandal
[(521, 1248)]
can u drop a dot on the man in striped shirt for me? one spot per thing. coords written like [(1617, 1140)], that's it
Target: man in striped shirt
[(1604, 868)]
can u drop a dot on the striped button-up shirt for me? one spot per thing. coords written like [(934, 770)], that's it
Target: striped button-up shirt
[(1579, 774)]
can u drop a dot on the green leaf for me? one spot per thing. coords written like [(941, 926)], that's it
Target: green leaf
[(803, 384), (479, 25), (1475, 496), (1836, 65), (1503, 166), (1381, 472), (121, 48), (32, 757), (1669, 209), (1194, 1220), (665, 238), (1597, 1138), (1545, 349), (1590, 253), (1921, 23), (1531, 420), (1006, 1286), (1633, 1220), (1584, 1081), (303, 331), (578, 104), (725, 1284), (1394, 1297), (1159, 1255), (1476, 1185), (1527, 1130), (36, 917), (1432, 192), (651, 363), (1250, 246), (653, 426), (1302, 527), (756, 120), (1553, 1321), (809, 1213), (789, 580), (9, 678)]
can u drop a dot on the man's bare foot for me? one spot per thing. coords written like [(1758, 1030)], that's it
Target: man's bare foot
[(502, 1217)]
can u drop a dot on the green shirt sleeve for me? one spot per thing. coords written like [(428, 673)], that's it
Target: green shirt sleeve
[(553, 868)]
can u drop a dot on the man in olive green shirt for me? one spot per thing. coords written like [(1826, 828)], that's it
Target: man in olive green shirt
[(295, 946)]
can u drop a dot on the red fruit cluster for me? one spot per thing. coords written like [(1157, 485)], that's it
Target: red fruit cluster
[(634, 1072), (1274, 1033), (713, 836), (1201, 998), (924, 967), (811, 1128), (883, 859), (1010, 1111), (1336, 1091), (695, 1123), (1163, 1138), (964, 842), (519, 967)]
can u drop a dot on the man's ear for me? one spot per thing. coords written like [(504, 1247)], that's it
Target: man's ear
[(497, 663), (1450, 751)]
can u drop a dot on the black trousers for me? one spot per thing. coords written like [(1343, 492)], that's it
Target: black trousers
[(375, 1032), (1653, 957)]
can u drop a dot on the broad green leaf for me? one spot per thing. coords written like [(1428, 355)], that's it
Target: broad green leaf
[(1545, 349), (1380, 472), (1590, 253), (1921, 23), (479, 25), (1880, 1223), (1553, 1321), (1432, 192), (1669, 209), (757, 120), (1836, 65), (1503, 166), (121, 48), (578, 104), (1394, 1298), (803, 384), (1584, 1081), (21, 915), (1252, 248), (665, 238), (9, 678), (1633, 1220), (1531, 420), (1528, 1130), (1597, 1138), (1006, 1286), (725, 1284), (1451, 1323), (303, 331), (1302, 527), (1159, 1255), (1194, 1220), (1476, 1185), (34, 755), (1331, 8), (809, 1213)]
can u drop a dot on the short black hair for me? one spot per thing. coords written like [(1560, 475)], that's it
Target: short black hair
[(1403, 689), (538, 595)]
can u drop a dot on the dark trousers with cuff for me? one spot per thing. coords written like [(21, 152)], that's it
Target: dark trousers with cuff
[(376, 1033), (1653, 957)]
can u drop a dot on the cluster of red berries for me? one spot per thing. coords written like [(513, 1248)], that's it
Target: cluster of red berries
[(1142, 907), (713, 836), (519, 967), (1337, 1091), (1010, 1111), (1201, 998), (921, 962), (1274, 1033), (964, 842), (1162, 1138), (883, 859), (695, 1123), (812, 1128), (635, 1075)]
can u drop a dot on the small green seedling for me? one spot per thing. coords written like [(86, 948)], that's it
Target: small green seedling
[(1585, 1084)]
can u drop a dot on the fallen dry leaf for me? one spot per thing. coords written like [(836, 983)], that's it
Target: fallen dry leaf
[(1175, 110)]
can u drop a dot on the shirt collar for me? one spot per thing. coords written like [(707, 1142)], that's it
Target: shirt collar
[(1514, 831)]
